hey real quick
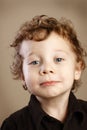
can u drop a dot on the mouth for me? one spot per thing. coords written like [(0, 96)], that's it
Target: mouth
[(49, 83)]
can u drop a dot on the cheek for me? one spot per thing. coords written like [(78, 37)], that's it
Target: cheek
[(68, 74), (29, 77)]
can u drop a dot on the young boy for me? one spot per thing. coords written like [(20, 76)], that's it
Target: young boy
[(49, 61)]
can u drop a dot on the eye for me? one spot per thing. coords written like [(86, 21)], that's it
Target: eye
[(34, 63), (59, 59)]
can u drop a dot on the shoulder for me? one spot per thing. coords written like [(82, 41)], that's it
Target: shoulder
[(17, 119), (77, 104), (83, 105), (20, 114)]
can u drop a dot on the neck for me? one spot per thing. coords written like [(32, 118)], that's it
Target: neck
[(56, 107)]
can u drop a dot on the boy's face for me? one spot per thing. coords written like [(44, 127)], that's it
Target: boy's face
[(49, 66)]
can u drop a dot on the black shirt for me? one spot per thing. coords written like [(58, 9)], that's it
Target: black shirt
[(32, 117)]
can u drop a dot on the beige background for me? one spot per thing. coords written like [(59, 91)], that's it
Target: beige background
[(12, 14)]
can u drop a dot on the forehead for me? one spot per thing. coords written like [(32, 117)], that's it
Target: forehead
[(52, 43)]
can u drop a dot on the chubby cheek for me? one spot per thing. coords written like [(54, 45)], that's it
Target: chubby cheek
[(69, 81), (29, 77), (68, 76)]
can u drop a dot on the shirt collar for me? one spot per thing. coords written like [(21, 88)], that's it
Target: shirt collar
[(36, 111), (74, 109)]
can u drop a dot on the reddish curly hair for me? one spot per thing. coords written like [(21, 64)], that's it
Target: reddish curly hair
[(38, 29)]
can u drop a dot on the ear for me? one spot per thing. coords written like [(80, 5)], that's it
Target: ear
[(23, 81), (78, 71)]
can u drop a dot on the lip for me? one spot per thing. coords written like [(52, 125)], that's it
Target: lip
[(49, 83)]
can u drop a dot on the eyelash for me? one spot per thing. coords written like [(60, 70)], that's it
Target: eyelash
[(59, 59), (34, 63), (38, 62)]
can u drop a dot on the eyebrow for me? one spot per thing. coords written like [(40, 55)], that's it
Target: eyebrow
[(32, 53), (62, 51)]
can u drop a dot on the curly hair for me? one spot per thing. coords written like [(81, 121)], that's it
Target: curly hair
[(38, 29)]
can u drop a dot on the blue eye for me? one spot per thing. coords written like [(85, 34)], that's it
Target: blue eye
[(59, 59), (34, 62)]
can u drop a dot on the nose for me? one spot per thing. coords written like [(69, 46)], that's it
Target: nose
[(46, 69)]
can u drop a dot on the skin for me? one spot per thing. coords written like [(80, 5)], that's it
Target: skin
[(49, 70)]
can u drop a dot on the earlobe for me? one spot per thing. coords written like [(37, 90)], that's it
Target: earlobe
[(23, 82), (77, 75), (24, 85), (78, 71)]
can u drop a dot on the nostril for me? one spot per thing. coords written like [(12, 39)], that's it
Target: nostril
[(51, 71), (44, 72)]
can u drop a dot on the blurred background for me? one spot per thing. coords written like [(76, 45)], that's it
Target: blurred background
[(13, 13)]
